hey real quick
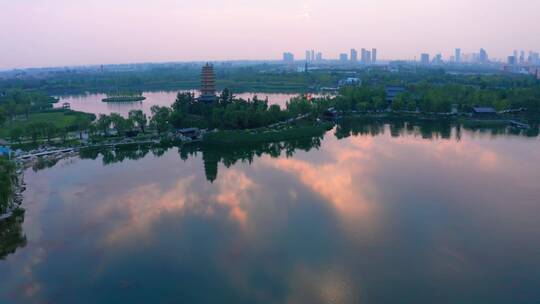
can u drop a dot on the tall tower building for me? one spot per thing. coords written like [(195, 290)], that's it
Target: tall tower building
[(373, 55), (354, 56), (363, 55), (308, 55), (424, 58), (208, 84), (288, 57), (368, 57), (319, 56), (457, 56), (483, 56)]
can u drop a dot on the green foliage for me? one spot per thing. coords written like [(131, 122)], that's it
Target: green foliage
[(120, 124), (160, 118), (242, 137), (398, 104), (8, 181), (23, 102), (139, 118), (3, 116)]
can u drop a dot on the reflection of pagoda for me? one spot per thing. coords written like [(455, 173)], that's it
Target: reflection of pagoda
[(208, 84)]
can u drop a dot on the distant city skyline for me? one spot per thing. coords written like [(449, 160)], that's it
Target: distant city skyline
[(38, 33)]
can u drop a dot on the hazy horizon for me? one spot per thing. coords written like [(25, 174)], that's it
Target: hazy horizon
[(40, 33)]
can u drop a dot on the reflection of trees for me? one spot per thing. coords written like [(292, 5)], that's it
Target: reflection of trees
[(119, 154), (360, 126), (229, 156), (427, 129), (44, 163), (11, 234), (211, 155)]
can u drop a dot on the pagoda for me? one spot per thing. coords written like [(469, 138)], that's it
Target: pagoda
[(208, 84)]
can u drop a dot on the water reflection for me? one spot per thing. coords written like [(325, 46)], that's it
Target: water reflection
[(211, 155), (92, 103), (11, 234), (341, 218), (426, 129)]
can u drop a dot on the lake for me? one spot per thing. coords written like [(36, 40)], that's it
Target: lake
[(367, 213), (92, 103)]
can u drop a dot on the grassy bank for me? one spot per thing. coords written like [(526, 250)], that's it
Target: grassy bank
[(243, 137), (62, 119)]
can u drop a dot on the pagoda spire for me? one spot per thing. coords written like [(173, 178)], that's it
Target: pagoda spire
[(208, 84)]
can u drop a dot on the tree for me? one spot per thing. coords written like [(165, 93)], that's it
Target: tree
[(184, 103), (226, 97), (274, 113), (397, 104), (92, 131), (35, 129), (11, 108), (298, 105), (120, 124), (379, 103), (63, 134), (82, 123), (50, 131), (160, 118), (2, 116), (8, 180), (16, 134), (103, 123), (411, 106), (139, 118)]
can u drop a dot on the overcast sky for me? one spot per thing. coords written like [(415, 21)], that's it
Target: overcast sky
[(37, 33)]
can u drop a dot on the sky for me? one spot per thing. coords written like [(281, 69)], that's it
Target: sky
[(42, 33)]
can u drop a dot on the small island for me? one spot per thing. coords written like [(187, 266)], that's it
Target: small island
[(124, 97)]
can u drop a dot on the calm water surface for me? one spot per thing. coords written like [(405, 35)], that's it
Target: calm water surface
[(384, 216), (92, 103)]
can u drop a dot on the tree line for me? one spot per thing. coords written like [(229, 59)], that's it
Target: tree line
[(226, 113), (429, 98), (15, 102)]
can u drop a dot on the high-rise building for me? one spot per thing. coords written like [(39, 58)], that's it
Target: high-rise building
[(437, 59), (319, 56), (363, 56), (457, 56), (312, 55), (511, 60), (208, 84), (483, 56), (516, 55), (343, 57), (288, 57), (368, 57), (373, 56), (522, 57), (424, 58), (534, 58), (354, 56), (308, 55)]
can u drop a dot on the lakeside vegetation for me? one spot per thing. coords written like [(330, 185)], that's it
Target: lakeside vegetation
[(8, 182), (124, 97), (26, 117), (245, 137), (45, 125), (254, 77)]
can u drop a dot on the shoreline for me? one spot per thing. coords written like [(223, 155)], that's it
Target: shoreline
[(223, 138)]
